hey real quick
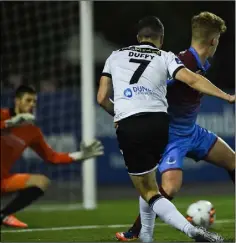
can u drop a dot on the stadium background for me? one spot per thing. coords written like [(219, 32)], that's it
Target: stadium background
[(40, 46)]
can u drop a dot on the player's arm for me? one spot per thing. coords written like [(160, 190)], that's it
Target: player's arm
[(104, 94), (202, 84), (40, 146), (105, 89), (179, 72)]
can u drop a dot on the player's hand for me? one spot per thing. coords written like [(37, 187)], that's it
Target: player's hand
[(231, 99), (88, 151), (22, 118), (93, 150)]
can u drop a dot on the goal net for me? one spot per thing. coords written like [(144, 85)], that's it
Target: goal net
[(39, 46)]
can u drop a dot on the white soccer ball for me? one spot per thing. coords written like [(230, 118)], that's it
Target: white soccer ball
[(201, 213)]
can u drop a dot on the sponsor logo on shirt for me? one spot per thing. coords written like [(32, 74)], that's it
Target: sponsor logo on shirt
[(128, 93), (137, 90)]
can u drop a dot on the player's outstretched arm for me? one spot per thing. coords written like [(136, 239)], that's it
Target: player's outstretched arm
[(200, 83), (104, 94), (40, 146)]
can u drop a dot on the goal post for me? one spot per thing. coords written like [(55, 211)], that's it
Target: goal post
[(87, 95)]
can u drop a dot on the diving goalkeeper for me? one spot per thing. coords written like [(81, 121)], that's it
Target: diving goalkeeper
[(17, 133)]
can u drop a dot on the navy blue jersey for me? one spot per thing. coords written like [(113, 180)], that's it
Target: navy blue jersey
[(184, 102)]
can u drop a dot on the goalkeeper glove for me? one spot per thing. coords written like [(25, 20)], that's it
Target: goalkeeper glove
[(22, 118), (92, 150)]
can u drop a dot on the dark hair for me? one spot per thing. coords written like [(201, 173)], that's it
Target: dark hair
[(22, 89), (150, 27)]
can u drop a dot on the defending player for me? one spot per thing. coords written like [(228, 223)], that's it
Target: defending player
[(138, 75), (186, 138), (17, 133)]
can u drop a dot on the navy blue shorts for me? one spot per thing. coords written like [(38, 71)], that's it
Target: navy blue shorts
[(195, 146)]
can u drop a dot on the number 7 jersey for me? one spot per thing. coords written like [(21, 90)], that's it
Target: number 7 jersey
[(139, 75)]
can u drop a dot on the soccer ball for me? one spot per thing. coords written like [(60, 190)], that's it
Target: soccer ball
[(201, 213)]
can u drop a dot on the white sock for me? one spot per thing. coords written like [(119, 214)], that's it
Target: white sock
[(170, 215), (148, 217)]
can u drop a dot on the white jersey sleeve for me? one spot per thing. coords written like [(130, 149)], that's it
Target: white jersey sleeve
[(173, 63), (107, 69)]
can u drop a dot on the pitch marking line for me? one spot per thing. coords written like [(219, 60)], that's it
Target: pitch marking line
[(84, 227)]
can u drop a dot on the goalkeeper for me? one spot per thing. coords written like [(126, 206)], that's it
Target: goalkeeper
[(17, 133)]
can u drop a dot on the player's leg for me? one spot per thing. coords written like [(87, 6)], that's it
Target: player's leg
[(142, 140), (214, 150), (166, 211), (171, 183), (134, 138), (223, 156), (171, 169), (171, 165), (11, 220), (28, 187)]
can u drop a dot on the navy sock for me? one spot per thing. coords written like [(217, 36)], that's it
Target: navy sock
[(23, 199)]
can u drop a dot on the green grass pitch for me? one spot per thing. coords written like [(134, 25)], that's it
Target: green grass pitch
[(101, 224)]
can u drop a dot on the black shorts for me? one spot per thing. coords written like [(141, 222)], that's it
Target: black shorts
[(142, 139)]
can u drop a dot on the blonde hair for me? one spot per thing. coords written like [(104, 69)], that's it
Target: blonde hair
[(205, 25)]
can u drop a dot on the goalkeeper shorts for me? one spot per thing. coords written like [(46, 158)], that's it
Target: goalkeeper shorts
[(14, 182)]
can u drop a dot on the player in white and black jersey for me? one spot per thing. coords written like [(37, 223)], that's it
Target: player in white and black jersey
[(138, 77)]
